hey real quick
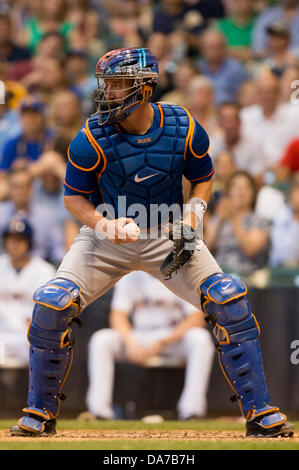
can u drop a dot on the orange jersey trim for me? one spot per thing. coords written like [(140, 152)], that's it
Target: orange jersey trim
[(161, 115), (81, 167), (190, 137), (80, 190), (202, 177), (97, 148)]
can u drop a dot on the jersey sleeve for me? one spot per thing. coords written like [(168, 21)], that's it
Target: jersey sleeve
[(82, 167), (198, 163), (121, 300)]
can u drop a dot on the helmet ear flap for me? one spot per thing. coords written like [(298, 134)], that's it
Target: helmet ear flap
[(146, 91)]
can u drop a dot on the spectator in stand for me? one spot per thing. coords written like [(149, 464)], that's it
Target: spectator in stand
[(188, 15), (46, 79), (20, 274), (86, 21), (227, 74), (288, 11), (52, 44), (209, 10), (237, 28), (169, 16), (49, 16), (289, 164), (238, 237), (279, 56), (81, 83), (13, 90), (180, 24), (65, 114), (48, 191), (123, 27), (273, 123), (285, 233), (28, 145), (182, 77), (289, 85), (147, 320), (246, 150), (224, 166), (34, 139), (161, 48), (10, 124), (48, 240), (9, 51), (247, 95), (201, 103)]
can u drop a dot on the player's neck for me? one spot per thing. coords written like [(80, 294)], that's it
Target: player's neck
[(140, 121)]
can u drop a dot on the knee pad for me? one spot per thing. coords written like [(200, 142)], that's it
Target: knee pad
[(56, 306), (236, 329), (224, 302)]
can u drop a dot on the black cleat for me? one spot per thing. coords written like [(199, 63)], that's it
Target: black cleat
[(271, 425), (33, 426)]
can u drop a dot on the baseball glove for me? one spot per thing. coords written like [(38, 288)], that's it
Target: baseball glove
[(184, 244)]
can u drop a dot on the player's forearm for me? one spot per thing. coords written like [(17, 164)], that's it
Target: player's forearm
[(83, 210), (197, 204), (178, 332), (202, 190), (119, 321)]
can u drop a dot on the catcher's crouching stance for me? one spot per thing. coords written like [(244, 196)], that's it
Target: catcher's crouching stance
[(141, 151), (226, 307)]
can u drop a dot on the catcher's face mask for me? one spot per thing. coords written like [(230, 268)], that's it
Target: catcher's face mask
[(116, 98), (126, 77)]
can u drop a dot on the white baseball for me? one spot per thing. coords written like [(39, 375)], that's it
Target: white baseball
[(132, 230)]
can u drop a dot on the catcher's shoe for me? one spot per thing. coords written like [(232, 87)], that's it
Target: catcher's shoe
[(33, 425), (270, 425)]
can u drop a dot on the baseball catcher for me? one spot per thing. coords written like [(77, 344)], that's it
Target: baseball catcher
[(126, 165)]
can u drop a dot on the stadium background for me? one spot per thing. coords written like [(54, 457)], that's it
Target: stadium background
[(55, 48)]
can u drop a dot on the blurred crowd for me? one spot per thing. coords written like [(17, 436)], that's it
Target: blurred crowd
[(233, 63)]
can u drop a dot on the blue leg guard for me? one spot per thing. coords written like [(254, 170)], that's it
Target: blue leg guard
[(56, 306), (236, 329)]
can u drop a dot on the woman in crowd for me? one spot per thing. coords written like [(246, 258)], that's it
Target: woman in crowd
[(237, 236)]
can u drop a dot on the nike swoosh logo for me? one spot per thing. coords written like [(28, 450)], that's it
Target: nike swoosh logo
[(138, 180)]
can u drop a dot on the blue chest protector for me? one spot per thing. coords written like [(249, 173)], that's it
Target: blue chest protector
[(141, 170)]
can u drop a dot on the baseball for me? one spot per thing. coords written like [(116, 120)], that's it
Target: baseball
[(132, 230)]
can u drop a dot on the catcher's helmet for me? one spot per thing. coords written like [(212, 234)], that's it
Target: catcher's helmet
[(135, 63), (19, 226)]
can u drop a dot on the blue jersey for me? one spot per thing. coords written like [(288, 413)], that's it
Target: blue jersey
[(122, 172), (20, 147)]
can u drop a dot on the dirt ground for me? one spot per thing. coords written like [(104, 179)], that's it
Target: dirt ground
[(77, 435)]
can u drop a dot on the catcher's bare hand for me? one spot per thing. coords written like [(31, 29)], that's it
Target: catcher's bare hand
[(114, 230)]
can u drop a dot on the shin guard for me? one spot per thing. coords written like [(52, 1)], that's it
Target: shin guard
[(56, 306), (237, 331)]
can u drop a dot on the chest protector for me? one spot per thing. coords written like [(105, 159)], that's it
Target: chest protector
[(142, 172)]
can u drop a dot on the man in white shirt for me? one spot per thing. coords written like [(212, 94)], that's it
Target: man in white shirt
[(272, 123), (148, 320), (247, 150), (20, 275)]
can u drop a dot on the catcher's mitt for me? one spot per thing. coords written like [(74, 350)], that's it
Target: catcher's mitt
[(184, 244)]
